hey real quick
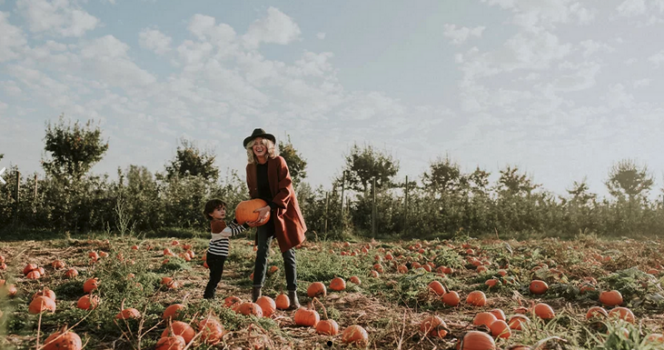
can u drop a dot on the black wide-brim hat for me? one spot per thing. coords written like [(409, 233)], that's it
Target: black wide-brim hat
[(259, 133)]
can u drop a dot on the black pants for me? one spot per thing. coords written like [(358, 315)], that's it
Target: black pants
[(216, 265), (264, 235)]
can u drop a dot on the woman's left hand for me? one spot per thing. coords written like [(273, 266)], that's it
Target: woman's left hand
[(262, 213)]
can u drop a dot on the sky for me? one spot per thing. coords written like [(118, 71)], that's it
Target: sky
[(562, 89)]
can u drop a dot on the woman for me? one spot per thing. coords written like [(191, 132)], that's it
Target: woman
[(268, 179)]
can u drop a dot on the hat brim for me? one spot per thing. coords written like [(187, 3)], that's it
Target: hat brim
[(265, 136)]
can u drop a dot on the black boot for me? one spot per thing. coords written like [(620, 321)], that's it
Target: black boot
[(255, 294), (292, 297)]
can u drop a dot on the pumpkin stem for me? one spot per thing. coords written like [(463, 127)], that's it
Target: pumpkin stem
[(122, 304), (322, 306)]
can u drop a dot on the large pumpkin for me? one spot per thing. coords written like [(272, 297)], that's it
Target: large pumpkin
[(306, 317), (244, 212), (61, 341)]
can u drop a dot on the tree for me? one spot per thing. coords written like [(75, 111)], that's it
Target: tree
[(444, 176), (478, 181), (73, 149), (627, 179), (296, 164), (189, 160), (363, 164), (513, 183), (580, 193)]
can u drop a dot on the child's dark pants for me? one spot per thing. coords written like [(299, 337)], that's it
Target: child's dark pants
[(216, 265)]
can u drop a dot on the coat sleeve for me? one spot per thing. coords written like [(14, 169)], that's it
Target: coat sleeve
[(285, 192)]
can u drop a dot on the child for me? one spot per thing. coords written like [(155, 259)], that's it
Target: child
[(215, 212)]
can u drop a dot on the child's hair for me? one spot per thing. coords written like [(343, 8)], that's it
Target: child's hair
[(211, 205)]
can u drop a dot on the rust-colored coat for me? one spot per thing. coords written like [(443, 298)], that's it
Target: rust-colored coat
[(289, 226)]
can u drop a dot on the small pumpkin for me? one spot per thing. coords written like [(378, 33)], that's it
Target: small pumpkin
[(517, 322), (355, 334), (500, 329), (451, 298), (476, 298), (434, 326), (90, 285), (611, 298), (232, 302), (211, 330), (58, 264), (356, 280), (500, 315), (179, 328), (128, 313), (622, 313), (282, 302), (544, 311), (175, 342), (267, 305), (338, 284), (475, 340), (316, 289), (596, 312), (88, 302), (327, 327), (41, 304), (484, 319), (173, 311), (306, 317), (63, 340), (249, 308), (71, 273), (538, 287), (437, 287), (45, 292)]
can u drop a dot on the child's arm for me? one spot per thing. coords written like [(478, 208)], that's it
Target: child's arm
[(236, 228)]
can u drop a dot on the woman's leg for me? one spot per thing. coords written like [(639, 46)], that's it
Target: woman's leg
[(216, 265), (291, 269), (264, 238)]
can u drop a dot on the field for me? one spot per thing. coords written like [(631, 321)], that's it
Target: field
[(390, 305)]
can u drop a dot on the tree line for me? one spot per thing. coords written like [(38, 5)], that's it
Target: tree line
[(366, 194)]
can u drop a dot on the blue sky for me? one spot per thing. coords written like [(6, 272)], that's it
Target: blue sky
[(560, 88)]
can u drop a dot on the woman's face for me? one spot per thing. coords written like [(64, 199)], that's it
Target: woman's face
[(260, 150)]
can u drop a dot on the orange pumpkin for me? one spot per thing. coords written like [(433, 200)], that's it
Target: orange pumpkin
[(71, 273), (622, 313), (316, 289), (63, 340), (45, 292), (338, 284), (249, 308), (538, 287), (451, 299), (211, 330), (434, 326), (500, 315), (128, 313), (437, 287), (88, 302), (306, 317), (596, 312), (28, 268), (282, 302), (517, 322), (655, 338), (171, 343), (476, 298), (500, 329), (267, 305), (327, 327), (58, 264), (356, 280), (544, 311), (90, 285), (244, 212), (179, 328), (173, 311), (611, 298), (375, 274), (41, 304), (33, 275), (232, 302), (355, 334), (474, 340), (484, 319)]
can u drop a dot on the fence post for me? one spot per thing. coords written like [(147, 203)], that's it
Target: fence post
[(18, 199), (327, 201), (405, 221), (373, 210), (35, 196)]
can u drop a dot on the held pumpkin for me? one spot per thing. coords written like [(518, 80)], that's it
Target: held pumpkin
[(244, 212)]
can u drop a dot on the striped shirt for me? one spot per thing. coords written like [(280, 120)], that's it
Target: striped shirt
[(220, 245)]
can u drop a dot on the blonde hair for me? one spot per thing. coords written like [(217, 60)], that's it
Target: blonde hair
[(272, 151)]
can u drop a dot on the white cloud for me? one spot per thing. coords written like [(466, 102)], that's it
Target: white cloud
[(533, 15), (320, 35), (583, 76), (154, 40), (12, 40), (312, 64), (617, 97), (276, 28), (642, 83), (205, 29), (107, 58), (461, 34), (630, 8), (57, 17), (591, 47), (657, 58)]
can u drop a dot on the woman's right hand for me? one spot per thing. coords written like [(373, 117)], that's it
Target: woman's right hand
[(262, 216)]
